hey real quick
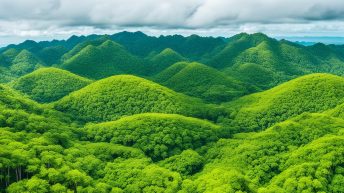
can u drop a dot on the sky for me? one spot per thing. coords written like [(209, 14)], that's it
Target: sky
[(59, 19)]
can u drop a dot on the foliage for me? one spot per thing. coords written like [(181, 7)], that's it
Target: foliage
[(104, 60), (163, 60), (201, 81), (49, 84), (310, 93), (113, 97), (158, 135), (286, 139)]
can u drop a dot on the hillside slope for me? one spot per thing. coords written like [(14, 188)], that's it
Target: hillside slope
[(158, 135), (201, 81), (163, 60), (310, 93), (116, 96), (299, 154), (49, 84), (266, 62)]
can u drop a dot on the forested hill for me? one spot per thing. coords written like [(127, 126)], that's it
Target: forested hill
[(255, 59), (131, 113)]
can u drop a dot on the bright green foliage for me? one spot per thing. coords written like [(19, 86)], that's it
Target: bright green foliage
[(253, 74), (201, 81), (338, 111), (296, 139), (104, 60), (163, 60), (219, 180), (137, 175), (187, 163), (116, 96), (273, 157), (158, 135), (49, 84), (310, 93)]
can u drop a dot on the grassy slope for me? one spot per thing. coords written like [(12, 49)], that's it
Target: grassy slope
[(49, 84)]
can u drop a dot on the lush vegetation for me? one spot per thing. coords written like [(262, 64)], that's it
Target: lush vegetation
[(310, 93), (158, 135), (49, 84), (163, 60), (201, 81), (116, 96), (171, 114), (109, 58)]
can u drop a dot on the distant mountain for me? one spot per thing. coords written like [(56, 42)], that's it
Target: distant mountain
[(274, 61), (49, 84), (107, 59), (253, 59), (193, 47)]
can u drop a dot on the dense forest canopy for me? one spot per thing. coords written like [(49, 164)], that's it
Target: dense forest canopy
[(134, 113)]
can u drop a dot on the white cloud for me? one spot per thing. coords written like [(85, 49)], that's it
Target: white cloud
[(38, 18)]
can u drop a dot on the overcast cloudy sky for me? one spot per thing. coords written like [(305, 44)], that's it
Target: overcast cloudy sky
[(48, 19)]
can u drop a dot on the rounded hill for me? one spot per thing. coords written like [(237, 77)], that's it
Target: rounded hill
[(49, 84), (107, 59), (310, 93), (116, 96), (198, 80), (164, 59), (158, 135)]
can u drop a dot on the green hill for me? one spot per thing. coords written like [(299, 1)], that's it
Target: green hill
[(49, 84), (201, 81), (164, 59), (77, 48), (275, 61), (235, 46), (300, 154), (338, 111), (116, 96), (23, 114), (104, 60), (24, 62), (7, 56), (310, 93), (158, 135)]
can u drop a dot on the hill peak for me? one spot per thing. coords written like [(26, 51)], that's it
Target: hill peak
[(49, 84), (116, 96)]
